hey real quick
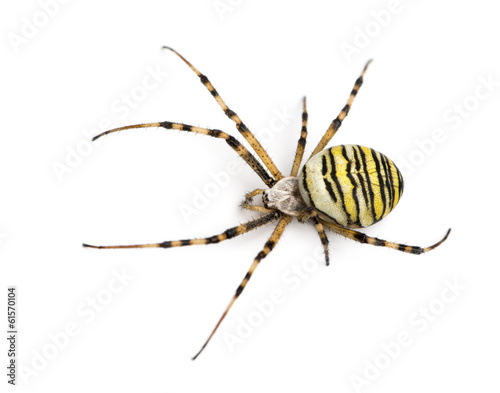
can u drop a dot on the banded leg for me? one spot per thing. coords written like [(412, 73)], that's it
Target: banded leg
[(363, 238), (322, 235), (302, 142), (248, 198), (256, 208), (242, 128), (273, 240), (343, 113), (230, 140), (227, 234), (250, 195)]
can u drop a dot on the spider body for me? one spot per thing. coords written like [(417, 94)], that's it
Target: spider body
[(338, 189), (285, 197), (353, 186)]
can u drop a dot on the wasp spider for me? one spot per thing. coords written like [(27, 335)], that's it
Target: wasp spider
[(338, 188)]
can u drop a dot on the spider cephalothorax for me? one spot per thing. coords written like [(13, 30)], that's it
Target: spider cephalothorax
[(285, 197), (339, 188)]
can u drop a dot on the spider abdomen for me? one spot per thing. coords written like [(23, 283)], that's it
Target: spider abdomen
[(353, 185)]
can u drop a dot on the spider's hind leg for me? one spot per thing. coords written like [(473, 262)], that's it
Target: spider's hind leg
[(322, 235), (363, 238), (337, 122)]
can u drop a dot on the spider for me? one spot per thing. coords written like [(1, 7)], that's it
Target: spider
[(339, 188)]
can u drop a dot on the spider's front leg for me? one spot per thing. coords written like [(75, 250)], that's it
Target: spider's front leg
[(246, 204), (250, 195)]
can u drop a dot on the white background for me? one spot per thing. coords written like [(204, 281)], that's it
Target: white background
[(60, 80)]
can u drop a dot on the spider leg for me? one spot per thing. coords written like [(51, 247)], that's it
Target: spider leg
[(250, 195), (230, 140), (278, 231), (256, 208), (242, 128), (302, 142), (227, 234), (322, 235), (343, 113), (363, 238), (248, 198)]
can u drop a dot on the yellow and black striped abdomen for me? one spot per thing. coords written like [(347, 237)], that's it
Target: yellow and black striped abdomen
[(353, 185)]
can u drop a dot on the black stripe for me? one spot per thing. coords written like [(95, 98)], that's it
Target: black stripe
[(166, 124), (327, 182), (401, 183), (270, 244), (356, 157), (306, 188), (360, 237), (416, 250), (329, 188), (392, 181), (369, 184), (215, 133), (324, 165), (231, 232), (214, 239), (388, 181), (395, 178), (229, 113), (360, 176), (380, 182), (353, 182), (322, 234), (203, 79), (337, 183), (233, 142)]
